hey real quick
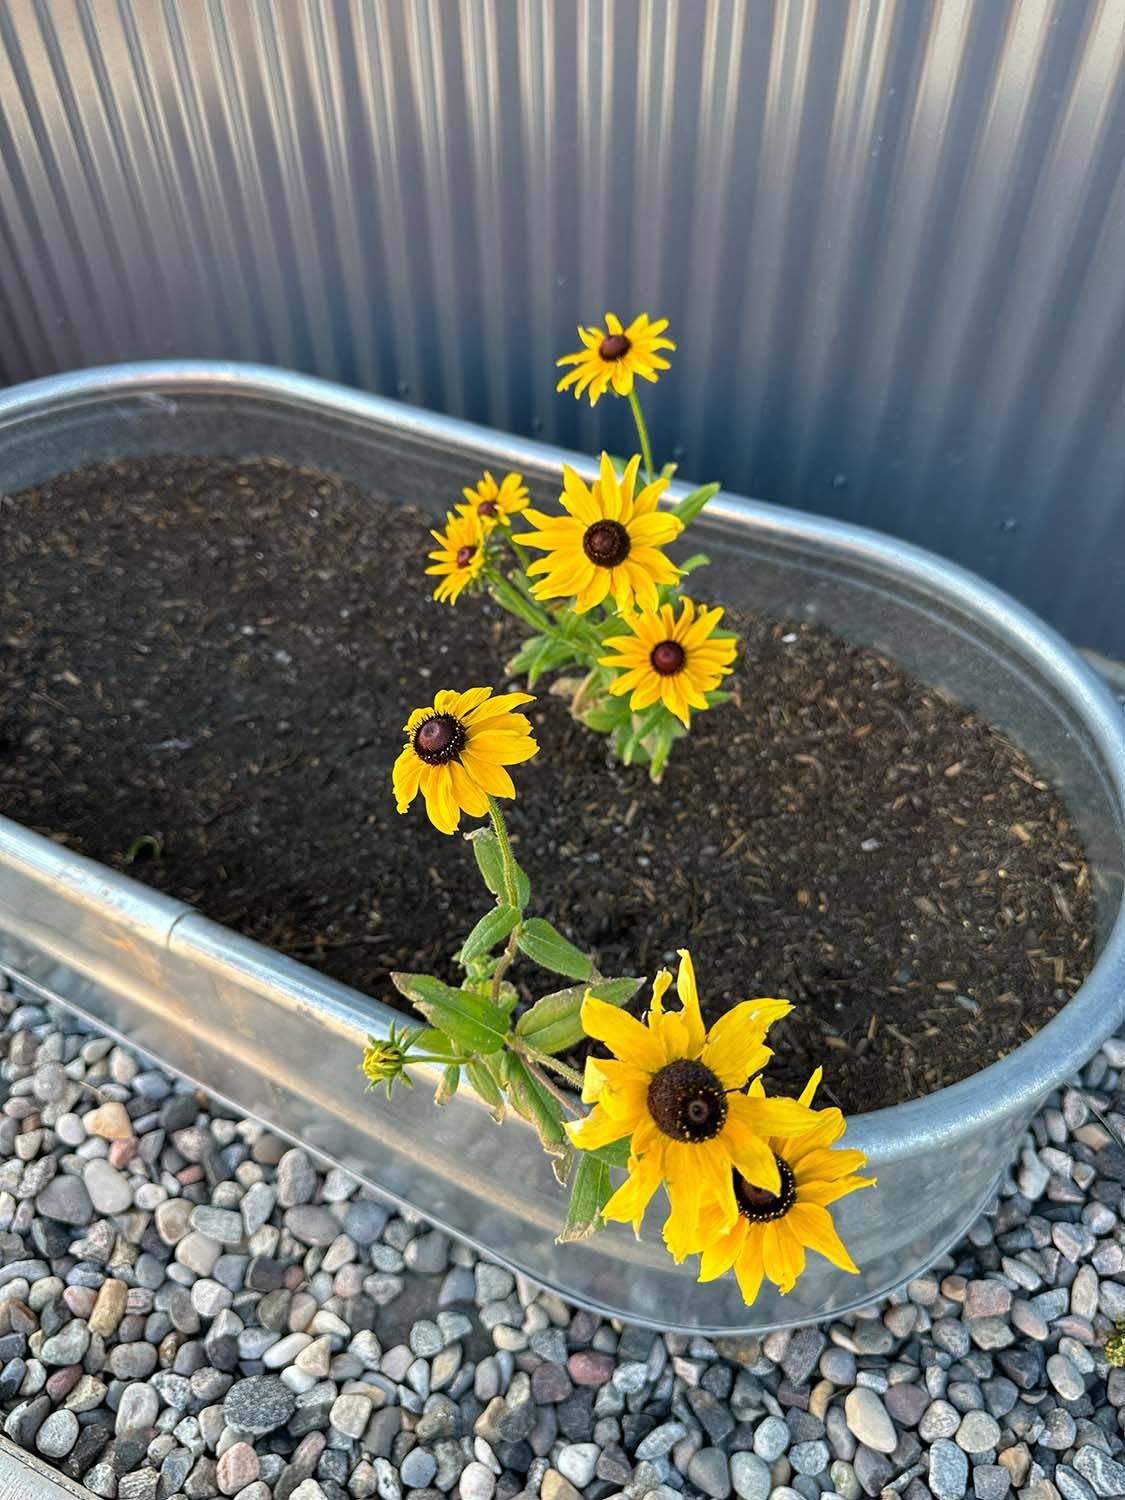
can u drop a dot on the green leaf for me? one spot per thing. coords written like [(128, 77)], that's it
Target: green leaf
[(450, 1082), (717, 696), (643, 725), (542, 653), (539, 1107), (482, 1080), (491, 866), (492, 928), (469, 1019), (591, 1192), (696, 560), (431, 1040), (690, 506), (487, 851), (547, 947), (555, 1022), (660, 747)]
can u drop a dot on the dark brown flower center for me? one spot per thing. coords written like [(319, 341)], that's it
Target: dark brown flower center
[(465, 556), (758, 1204), (439, 739), (487, 507), (688, 1101), (606, 544), (614, 346), (668, 658)]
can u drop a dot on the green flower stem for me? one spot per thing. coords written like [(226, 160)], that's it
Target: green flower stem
[(566, 1100), (511, 893), (642, 433), (521, 555), (509, 597), (507, 859), (545, 1060)]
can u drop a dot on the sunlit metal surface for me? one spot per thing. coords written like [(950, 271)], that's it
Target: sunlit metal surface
[(282, 1042), (890, 234)]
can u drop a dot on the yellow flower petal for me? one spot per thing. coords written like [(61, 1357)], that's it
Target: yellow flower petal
[(622, 1034)]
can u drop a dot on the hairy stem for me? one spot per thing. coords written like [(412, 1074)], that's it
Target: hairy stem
[(642, 433)]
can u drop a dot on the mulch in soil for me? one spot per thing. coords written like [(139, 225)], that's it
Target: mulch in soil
[(221, 655)]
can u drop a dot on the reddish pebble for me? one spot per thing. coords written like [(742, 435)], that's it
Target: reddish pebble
[(62, 1382), (294, 1277), (121, 1152), (588, 1367), (349, 1281), (80, 1300), (32, 1122), (237, 1468), (188, 1175)]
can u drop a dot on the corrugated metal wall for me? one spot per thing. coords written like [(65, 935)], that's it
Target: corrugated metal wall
[(890, 236)]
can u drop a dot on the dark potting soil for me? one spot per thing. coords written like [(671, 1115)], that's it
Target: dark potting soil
[(221, 655)]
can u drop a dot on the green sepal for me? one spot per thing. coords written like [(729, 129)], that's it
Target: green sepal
[(470, 1020), (539, 1107), (691, 505), (547, 947), (590, 1193), (696, 560), (492, 928), (555, 1022), (480, 1076)]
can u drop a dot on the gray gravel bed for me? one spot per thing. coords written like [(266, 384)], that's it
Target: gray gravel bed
[(190, 1308)]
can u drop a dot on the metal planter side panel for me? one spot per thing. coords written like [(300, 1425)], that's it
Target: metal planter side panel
[(889, 233), (282, 1042)]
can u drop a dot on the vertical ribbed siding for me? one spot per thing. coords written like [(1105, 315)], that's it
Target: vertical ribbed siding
[(890, 236)]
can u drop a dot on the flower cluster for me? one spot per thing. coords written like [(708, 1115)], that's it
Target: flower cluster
[(601, 599), (749, 1177)]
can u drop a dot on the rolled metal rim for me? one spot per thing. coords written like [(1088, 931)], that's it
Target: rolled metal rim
[(952, 1113)]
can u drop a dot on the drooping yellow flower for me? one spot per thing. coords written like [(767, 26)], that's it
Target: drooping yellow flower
[(675, 661), (608, 542), (613, 356), (675, 1089), (459, 558), (495, 504), (774, 1228), (456, 753)]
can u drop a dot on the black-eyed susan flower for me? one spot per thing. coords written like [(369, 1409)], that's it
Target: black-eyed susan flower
[(615, 355), (495, 504), (675, 661), (456, 753), (608, 542), (460, 556), (776, 1226), (675, 1090)]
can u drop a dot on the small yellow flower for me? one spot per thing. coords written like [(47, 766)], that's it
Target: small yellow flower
[(456, 753), (613, 355), (774, 1228), (459, 559), (607, 542), (674, 661), (675, 1090), (496, 504)]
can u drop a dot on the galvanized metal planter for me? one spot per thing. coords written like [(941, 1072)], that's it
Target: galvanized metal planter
[(281, 1042)]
